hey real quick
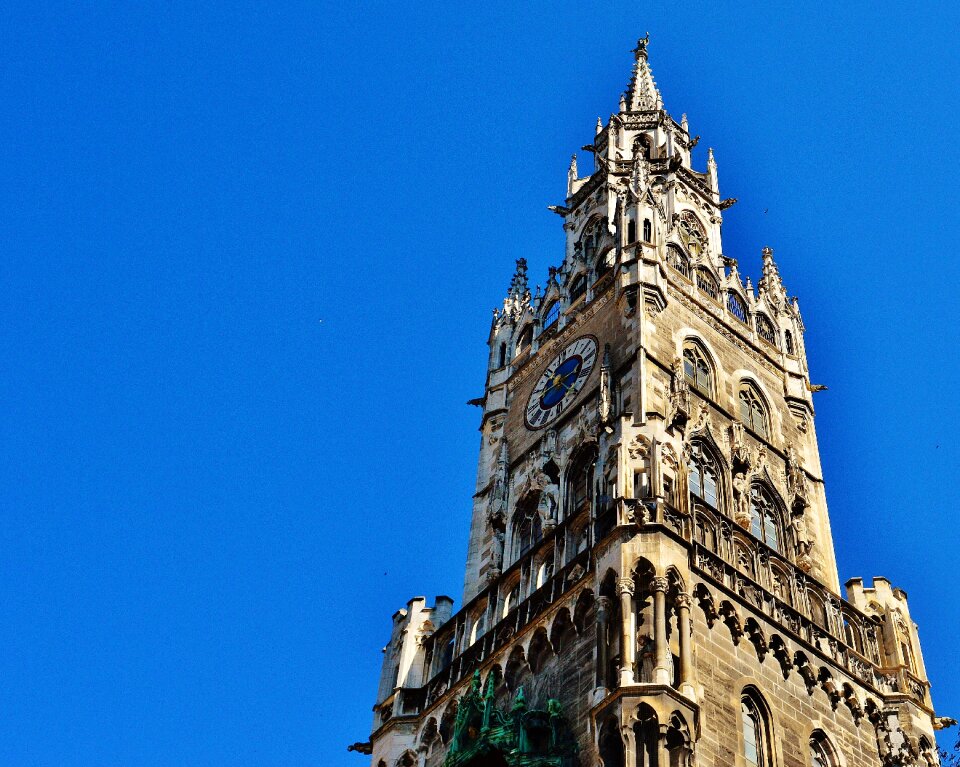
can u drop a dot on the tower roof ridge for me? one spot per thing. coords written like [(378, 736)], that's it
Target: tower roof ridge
[(642, 94)]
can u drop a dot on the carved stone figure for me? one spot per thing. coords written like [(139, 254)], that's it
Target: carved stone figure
[(549, 503), (741, 499)]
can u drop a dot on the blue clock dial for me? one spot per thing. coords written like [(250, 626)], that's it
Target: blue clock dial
[(561, 382)]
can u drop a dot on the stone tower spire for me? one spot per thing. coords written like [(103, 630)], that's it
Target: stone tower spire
[(650, 569), (642, 94)]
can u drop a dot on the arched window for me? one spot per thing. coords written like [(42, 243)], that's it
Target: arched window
[(610, 745), (578, 288), (631, 231), (696, 369), (765, 330), (707, 283), (764, 519), (511, 599), (604, 264), (479, 625), (756, 730), (524, 341), (580, 482), (545, 571), (703, 475), (821, 751), (502, 356), (736, 307), (552, 315), (818, 609), (706, 530), (529, 532), (678, 260), (647, 230), (788, 341), (590, 247), (753, 415)]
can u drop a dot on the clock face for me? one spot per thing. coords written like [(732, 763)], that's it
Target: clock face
[(561, 382)]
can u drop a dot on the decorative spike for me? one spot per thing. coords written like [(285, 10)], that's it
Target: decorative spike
[(623, 104), (683, 123), (712, 180), (599, 126), (518, 285), (571, 175)]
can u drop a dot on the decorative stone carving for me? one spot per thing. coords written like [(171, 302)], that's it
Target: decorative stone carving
[(549, 503), (625, 586), (741, 499), (796, 480), (803, 541), (639, 447), (681, 405), (660, 584), (738, 447), (605, 409)]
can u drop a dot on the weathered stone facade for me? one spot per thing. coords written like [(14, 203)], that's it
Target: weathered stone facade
[(651, 577)]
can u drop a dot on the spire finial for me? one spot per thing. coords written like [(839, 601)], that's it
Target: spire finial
[(642, 94), (572, 175), (599, 125)]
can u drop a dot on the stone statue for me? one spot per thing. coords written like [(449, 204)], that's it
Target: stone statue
[(801, 535), (741, 493), (549, 504)]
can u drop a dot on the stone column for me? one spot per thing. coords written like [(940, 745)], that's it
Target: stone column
[(663, 756), (683, 626), (603, 620), (661, 671), (628, 640), (629, 747)]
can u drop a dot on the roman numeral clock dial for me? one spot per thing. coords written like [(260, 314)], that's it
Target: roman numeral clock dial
[(561, 382)]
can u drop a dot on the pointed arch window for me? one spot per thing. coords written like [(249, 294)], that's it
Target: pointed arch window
[(551, 315), (578, 288), (678, 260), (647, 230), (631, 231), (604, 263), (524, 340), (706, 283), (697, 370), (529, 532), (736, 307), (788, 341), (580, 483), (821, 751), (703, 476), (752, 412), (765, 330), (756, 731), (764, 518)]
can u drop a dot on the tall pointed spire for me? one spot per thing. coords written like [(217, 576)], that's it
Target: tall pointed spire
[(770, 284), (642, 94), (518, 285)]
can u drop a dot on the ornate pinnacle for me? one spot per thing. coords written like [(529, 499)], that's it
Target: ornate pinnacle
[(518, 285), (642, 94), (770, 283), (599, 125)]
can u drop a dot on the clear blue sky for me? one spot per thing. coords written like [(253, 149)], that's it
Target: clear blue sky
[(248, 261)]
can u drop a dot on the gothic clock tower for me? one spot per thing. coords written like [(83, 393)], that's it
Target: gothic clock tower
[(650, 574)]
